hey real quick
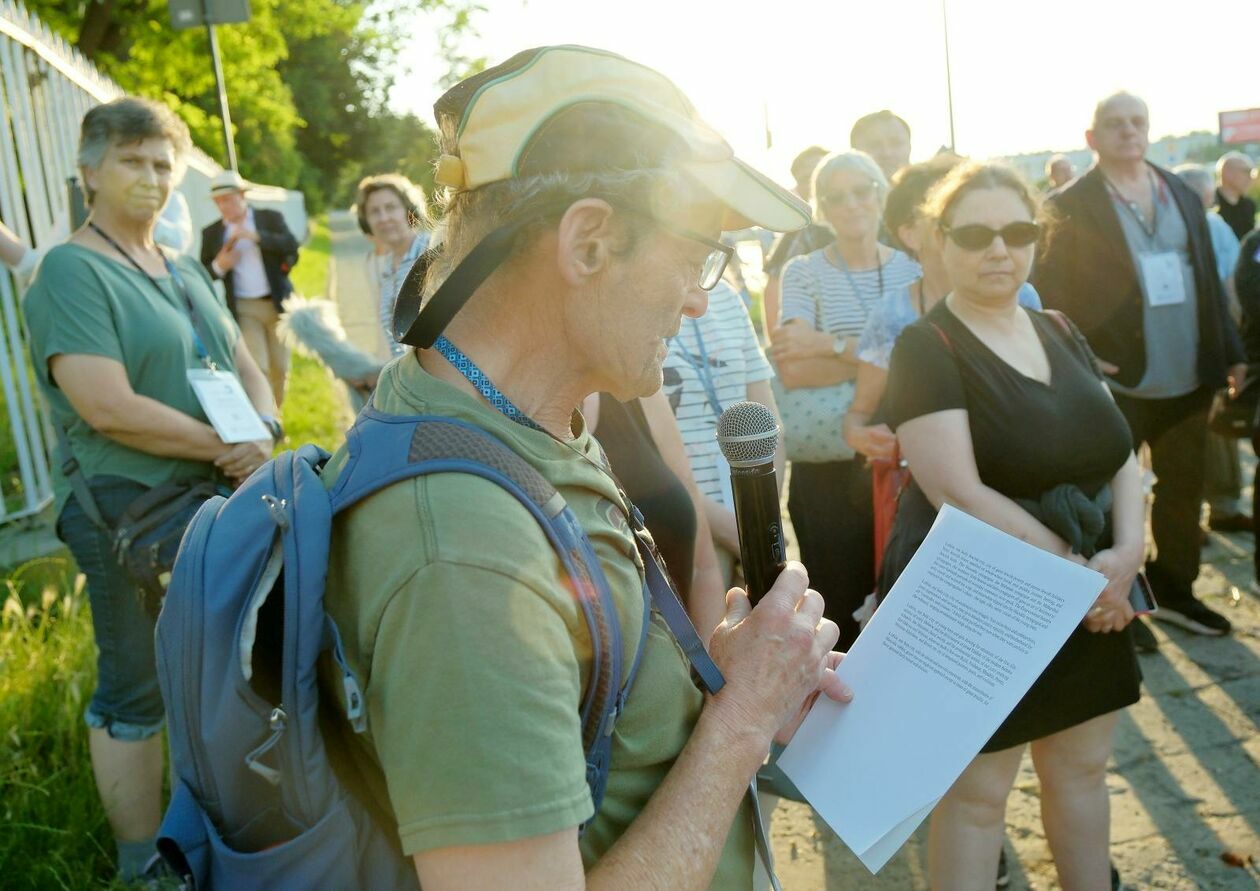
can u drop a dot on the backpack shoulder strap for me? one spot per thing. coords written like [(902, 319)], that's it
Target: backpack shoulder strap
[(385, 449)]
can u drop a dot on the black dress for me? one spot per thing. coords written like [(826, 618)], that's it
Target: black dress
[(1028, 437), (660, 496)]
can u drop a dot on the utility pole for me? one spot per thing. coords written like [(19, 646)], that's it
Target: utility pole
[(229, 145), (190, 14), (949, 84)]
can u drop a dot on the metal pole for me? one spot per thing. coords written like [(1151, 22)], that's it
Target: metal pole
[(949, 84), (228, 145)]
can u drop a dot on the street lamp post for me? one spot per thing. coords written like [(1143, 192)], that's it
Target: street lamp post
[(229, 145), (190, 14)]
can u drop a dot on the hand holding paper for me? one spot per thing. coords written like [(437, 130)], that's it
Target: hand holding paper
[(970, 625)]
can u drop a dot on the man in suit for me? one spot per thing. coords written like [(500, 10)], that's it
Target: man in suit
[(252, 251), (1131, 262)]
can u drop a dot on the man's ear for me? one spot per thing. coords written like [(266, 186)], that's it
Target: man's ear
[(1089, 139), (586, 239)]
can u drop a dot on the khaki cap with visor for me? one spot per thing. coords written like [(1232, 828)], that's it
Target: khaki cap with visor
[(508, 122)]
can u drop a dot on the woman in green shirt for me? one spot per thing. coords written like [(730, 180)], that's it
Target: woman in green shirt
[(115, 326)]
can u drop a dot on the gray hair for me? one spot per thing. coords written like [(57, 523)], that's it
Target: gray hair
[(126, 121), (469, 216), (1232, 156), (1197, 176), (856, 162)]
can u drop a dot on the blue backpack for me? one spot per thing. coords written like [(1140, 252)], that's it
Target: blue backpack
[(256, 803)]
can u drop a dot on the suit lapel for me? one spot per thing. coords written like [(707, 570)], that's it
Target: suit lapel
[(1105, 217)]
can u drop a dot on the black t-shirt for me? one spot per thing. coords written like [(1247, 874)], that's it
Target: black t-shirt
[(1241, 216), (1028, 437), (659, 495)]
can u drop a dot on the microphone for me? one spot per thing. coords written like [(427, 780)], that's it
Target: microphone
[(748, 437)]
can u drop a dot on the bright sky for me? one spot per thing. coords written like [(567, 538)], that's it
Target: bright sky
[(1026, 74)]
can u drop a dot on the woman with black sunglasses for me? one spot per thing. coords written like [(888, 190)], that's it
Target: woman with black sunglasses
[(1001, 411)]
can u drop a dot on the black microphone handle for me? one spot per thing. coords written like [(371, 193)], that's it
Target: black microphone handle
[(761, 548)]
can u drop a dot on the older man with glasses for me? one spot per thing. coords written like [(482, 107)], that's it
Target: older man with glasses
[(584, 199), (1132, 264)]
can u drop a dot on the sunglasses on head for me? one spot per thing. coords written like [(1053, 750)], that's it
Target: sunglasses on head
[(858, 194), (975, 237)]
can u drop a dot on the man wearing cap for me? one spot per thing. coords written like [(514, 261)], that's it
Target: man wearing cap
[(252, 250), (583, 208)]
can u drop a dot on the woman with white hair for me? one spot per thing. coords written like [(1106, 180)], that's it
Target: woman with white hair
[(827, 298), (119, 329)]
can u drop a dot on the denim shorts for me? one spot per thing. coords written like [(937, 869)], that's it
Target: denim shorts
[(127, 702)]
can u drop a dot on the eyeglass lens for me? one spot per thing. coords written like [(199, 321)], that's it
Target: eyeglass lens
[(858, 194), (711, 273)]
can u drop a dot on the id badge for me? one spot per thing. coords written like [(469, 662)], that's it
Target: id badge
[(226, 406), (1165, 285)]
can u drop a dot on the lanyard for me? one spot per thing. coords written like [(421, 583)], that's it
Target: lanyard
[(703, 369), (662, 594), (853, 283), (181, 288), (1157, 198)]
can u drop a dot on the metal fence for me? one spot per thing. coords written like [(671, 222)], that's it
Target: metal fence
[(46, 86)]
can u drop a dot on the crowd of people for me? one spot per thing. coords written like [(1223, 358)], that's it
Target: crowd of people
[(1012, 350)]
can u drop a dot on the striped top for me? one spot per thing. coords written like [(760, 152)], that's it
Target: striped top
[(388, 277), (837, 301), (734, 360)]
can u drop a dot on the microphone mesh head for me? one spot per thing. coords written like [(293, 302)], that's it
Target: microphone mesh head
[(747, 434)]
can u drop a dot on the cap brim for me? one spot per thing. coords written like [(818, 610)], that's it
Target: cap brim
[(751, 199)]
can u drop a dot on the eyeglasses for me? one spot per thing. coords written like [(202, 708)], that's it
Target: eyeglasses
[(715, 262), (975, 237), (858, 194)]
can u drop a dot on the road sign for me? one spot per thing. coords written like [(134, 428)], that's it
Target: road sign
[(1239, 127), (195, 13)]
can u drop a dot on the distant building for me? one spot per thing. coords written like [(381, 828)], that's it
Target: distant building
[(1167, 152)]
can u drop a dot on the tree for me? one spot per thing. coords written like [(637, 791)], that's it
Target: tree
[(306, 79)]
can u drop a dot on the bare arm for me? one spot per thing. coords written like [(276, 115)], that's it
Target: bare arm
[(707, 603), (12, 249), (874, 441), (99, 391), (772, 657), (805, 357), (770, 303), (939, 450)]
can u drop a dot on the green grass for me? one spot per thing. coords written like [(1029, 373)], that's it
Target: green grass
[(53, 832)]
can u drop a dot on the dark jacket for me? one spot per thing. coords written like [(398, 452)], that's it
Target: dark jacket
[(1087, 272), (279, 254), (1247, 286)]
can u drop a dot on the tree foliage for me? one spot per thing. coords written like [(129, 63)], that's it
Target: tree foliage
[(306, 81)]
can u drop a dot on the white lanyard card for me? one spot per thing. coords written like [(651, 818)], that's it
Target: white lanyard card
[(1161, 273), (227, 407)]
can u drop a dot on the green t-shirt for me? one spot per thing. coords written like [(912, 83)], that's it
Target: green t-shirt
[(82, 302), (458, 620)]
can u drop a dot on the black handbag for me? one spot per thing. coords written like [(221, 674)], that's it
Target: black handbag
[(1235, 418), (146, 537)]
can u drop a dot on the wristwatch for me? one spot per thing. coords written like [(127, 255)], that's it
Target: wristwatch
[(274, 427), (839, 345)]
